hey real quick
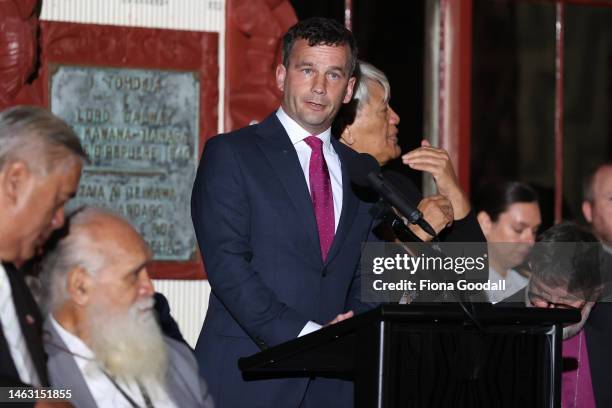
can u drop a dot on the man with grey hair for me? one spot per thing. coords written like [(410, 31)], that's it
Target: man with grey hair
[(40, 166), (101, 335), (566, 273)]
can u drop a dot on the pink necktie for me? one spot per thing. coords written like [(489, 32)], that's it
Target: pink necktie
[(321, 193)]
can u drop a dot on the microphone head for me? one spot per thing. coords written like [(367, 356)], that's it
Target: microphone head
[(360, 166)]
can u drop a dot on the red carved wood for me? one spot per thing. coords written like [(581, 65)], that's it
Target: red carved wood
[(18, 53), (129, 47), (254, 30)]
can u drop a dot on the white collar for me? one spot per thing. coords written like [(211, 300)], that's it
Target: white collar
[(76, 346), (297, 133), (5, 284)]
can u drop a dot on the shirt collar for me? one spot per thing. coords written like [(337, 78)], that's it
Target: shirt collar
[(73, 343), (4, 281), (297, 133)]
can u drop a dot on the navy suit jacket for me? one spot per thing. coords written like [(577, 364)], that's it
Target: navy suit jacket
[(257, 232)]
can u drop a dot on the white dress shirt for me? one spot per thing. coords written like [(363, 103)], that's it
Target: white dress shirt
[(101, 388), (297, 134), (13, 333)]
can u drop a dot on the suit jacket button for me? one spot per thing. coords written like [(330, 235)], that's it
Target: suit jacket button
[(324, 272)]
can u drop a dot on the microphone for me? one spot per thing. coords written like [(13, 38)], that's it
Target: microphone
[(365, 171)]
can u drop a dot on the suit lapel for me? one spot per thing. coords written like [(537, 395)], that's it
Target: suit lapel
[(349, 201), (179, 380), (29, 320), (280, 153), (282, 157), (63, 367)]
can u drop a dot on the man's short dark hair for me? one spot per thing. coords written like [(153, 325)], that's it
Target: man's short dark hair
[(587, 183), (320, 31), (568, 256)]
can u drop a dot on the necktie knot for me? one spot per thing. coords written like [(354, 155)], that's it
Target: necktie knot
[(315, 143)]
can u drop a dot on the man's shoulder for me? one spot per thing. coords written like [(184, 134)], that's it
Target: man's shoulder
[(180, 352), (245, 134), (186, 376)]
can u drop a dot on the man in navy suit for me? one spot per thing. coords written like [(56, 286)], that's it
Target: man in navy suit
[(280, 228)]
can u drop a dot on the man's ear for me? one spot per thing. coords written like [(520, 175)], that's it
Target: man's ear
[(13, 180), (79, 284), (349, 90), (587, 211), (346, 136), (281, 74), (485, 222)]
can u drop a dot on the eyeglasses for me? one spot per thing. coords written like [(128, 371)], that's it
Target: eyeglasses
[(571, 303)]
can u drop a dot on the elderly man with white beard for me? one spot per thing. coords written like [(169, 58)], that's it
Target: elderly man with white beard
[(101, 336)]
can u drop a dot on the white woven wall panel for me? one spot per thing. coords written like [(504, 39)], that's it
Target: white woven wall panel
[(188, 304), (194, 15)]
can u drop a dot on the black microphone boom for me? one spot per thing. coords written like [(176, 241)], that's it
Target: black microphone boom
[(365, 171)]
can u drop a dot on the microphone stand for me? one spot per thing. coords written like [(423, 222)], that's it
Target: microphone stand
[(384, 212)]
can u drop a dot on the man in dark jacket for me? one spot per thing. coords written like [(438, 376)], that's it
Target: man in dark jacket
[(40, 167)]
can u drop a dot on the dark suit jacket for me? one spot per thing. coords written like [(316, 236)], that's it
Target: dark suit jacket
[(598, 331), (166, 322), (256, 228), (30, 321)]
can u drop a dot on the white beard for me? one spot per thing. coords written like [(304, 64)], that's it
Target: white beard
[(130, 345)]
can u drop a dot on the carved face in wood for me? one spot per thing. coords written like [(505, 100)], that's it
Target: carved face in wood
[(18, 45)]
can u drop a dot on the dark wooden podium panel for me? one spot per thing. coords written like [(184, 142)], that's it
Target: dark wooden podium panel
[(431, 356)]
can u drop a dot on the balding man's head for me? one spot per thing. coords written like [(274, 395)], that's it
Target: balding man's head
[(104, 247), (597, 204), (100, 291)]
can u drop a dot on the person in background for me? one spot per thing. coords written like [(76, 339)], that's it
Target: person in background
[(597, 203), (101, 335), (40, 166), (509, 215), (565, 273), (368, 124), (597, 211)]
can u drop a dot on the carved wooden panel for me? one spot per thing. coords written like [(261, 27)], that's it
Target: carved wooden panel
[(254, 31), (18, 52)]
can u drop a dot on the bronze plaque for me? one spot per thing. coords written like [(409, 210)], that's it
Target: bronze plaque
[(140, 128)]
